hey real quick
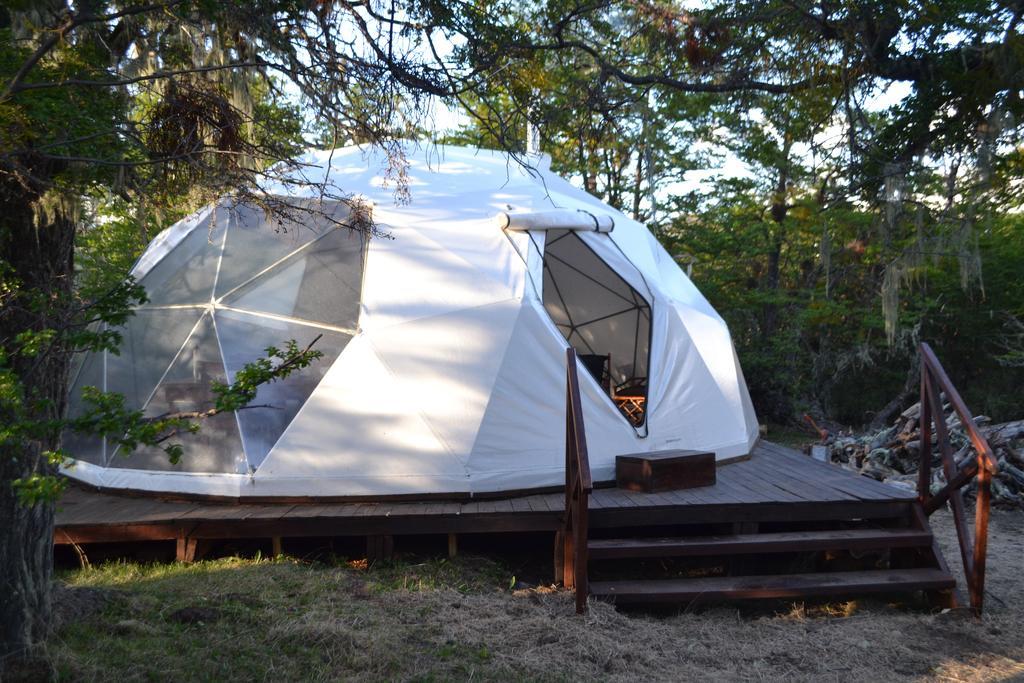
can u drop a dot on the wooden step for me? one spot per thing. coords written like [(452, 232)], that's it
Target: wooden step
[(736, 544), (781, 586)]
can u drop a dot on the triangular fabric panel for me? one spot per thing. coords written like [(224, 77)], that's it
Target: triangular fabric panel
[(320, 284), (217, 446), (256, 241), (87, 447), (521, 439), (150, 340), (244, 338), (382, 446), (186, 275), (694, 408), (411, 277), (445, 365)]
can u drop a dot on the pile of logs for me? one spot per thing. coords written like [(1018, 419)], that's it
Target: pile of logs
[(893, 455)]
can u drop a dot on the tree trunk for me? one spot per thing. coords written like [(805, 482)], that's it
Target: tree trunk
[(898, 403), (771, 283), (779, 209), (638, 177), (37, 258), (26, 562)]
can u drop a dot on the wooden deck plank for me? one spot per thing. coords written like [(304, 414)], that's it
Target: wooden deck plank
[(469, 508), (740, 544), (734, 490), (755, 481), (548, 502), (219, 511), (799, 484), (862, 487), (450, 507), (503, 505), (678, 498), (789, 477), (777, 586), (267, 511), (772, 481), (779, 472), (521, 505), (382, 509), (613, 498)]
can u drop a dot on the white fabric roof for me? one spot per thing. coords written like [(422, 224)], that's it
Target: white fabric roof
[(453, 380)]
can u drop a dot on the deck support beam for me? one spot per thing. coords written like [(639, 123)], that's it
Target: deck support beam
[(379, 547), (190, 549)]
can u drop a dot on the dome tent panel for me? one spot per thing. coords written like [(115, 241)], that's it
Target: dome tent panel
[(521, 440), (359, 433), (243, 338), (187, 273), (169, 238), (150, 341), (445, 366), (691, 405), (257, 237), (402, 410), (85, 447), (321, 283), (412, 276), (186, 388)]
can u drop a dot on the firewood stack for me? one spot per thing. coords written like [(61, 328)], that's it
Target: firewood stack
[(893, 454)]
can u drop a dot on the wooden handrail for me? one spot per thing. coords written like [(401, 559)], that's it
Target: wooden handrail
[(578, 485), (934, 383), (978, 440)]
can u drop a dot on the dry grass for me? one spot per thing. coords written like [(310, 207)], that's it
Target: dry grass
[(286, 620)]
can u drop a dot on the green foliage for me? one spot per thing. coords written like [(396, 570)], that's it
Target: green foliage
[(107, 415), (859, 225), (117, 163), (39, 488), (262, 371)]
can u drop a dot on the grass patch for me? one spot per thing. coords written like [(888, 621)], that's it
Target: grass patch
[(468, 574), (238, 619), (434, 619)]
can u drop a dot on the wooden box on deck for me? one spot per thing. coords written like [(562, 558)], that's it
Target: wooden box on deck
[(664, 470)]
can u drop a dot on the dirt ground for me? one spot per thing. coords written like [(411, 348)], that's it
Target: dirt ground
[(246, 619)]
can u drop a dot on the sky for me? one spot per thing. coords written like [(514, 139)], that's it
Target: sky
[(446, 119)]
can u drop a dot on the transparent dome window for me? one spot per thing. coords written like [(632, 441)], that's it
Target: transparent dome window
[(238, 283), (602, 317)]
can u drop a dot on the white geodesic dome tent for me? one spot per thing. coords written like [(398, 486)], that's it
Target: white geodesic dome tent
[(444, 342)]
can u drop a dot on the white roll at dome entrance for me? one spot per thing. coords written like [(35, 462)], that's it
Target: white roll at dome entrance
[(559, 219)]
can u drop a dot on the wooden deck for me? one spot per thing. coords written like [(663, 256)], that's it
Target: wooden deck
[(775, 484)]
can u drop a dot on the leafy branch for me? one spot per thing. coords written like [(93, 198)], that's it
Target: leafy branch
[(107, 415)]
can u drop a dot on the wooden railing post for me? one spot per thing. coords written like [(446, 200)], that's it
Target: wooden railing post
[(935, 382), (578, 486), (981, 506), (924, 474)]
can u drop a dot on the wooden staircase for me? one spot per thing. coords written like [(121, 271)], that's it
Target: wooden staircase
[(830, 562), (865, 549)]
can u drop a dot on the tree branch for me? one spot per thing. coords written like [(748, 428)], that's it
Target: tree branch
[(57, 33)]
